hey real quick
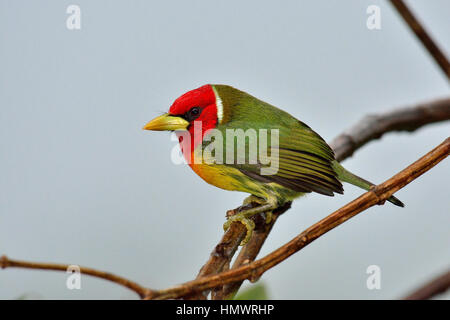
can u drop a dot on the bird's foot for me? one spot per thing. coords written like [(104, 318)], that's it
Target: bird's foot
[(248, 223), (254, 199), (244, 217)]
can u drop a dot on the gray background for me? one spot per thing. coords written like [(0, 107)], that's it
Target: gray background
[(82, 183)]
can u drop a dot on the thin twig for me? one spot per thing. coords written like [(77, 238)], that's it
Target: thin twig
[(436, 286), (423, 36), (5, 262), (254, 270)]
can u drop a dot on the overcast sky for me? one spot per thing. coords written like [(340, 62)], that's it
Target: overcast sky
[(81, 183)]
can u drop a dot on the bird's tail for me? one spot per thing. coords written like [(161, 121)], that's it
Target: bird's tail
[(347, 176)]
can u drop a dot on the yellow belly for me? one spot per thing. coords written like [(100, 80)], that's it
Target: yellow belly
[(220, 176), (229, 178)]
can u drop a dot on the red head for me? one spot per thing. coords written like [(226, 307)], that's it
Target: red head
[(198, 105)]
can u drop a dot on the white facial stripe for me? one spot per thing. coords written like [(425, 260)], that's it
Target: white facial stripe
[(219, 105)]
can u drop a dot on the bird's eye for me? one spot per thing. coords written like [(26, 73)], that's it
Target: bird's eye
[(193, 113)]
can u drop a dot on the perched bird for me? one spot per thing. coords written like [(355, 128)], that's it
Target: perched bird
[(303, 161)]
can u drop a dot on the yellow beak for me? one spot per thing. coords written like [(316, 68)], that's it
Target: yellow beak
[(167, 122)]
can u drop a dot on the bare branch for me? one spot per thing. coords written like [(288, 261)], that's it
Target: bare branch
[(250, 251), (221, 255), (5, 262), (225, 250), (254, 270), (423, 36), (373, 127), (436, 286)]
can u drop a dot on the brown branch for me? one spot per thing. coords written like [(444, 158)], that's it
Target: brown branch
[(223, 252), (256, 269), (367, 129), (436, 286), (373, 127), (423, 36), (5, 262), (221, 255), (247, 254), (250, 251)]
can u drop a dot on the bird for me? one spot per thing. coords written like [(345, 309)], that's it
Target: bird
[(301, 160)]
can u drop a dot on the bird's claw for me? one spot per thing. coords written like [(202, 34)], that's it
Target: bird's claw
[(244, 216), (248, 223), (260, 201)]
